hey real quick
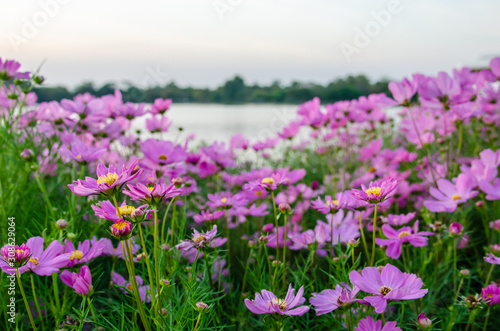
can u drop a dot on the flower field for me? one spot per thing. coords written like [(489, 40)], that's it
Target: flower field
[(347, 219)]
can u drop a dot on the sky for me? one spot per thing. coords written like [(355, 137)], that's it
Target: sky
[(202, 43)]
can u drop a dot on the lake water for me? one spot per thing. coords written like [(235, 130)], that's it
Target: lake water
[(211, 122)]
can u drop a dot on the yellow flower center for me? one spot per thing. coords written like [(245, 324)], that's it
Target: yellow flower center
[(404, 233), (130, 288), (199, 238), (280, 302), (120, 225), (20, 251), (76, 255), (372, 169), (78, 157), (258, 193), (151, 188), (384, 290), (456, 197), (109, 178), (268, 180), (373, 190), (126, 210), (35, 261), (223, 200), (162, 157)]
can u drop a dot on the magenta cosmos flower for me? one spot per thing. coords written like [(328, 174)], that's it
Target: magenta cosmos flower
[(490, 258), (390, 284), (198, 240), (376, 192), (207, 216), (107, 210), (343, 200), (9, 70), (84, 253), (268, 303), (41, 262), (369, 324), (108, 182), (152, 195), (81, 283), (448, 195), (396, 239), (329, 300), (491, 294), (81, 152), (159, 153), (492, 190)]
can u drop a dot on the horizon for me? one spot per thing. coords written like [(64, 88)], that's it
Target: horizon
[(204, 43)]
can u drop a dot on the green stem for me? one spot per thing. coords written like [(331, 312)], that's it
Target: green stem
[(487, 316), (92, 310), (228, 244), (284, 255), (454, 265), (44, 193), (172, 238), (24, 298), (246, 271), (157, 266), (56, 295), (197, 322), (277, 230), (207, 264), (148, 265), (374, 231), (268, 263), (164, 221), (489, 275), (402, 313), (36, 300), (361, 229)]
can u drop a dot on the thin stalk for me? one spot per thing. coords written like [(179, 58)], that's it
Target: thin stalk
[(24, 298), (56, 295), (228, 243), (157, 267), (277, 230), (172, 238), (92, 310), (207, 264), (454, 265), (489, 275), (363, 235), (44, 193), (353, 259), (374, 231), (402, 313), (36, 300), (165, 220), (146, 256), (246, 271), (284, 254), (197, 322), (268, 263), (487, 316)]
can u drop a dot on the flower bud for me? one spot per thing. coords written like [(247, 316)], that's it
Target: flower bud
[(455, 229), (264, 239), (141, 256), (336, 258), (268, 227), (479, 204), (121, 230), (165, 247), (27, 155), (314, 185), (353, 243), (276, 263), (495, 248), (38, 79), (165, 281), (138, 215), (284, 208), (71, 236), (16, 255), (62, 223), (495, 225), (464, 273), (164, 311), (201, 305), (178, 182), (424, 322), (251, 243), (380, 268)]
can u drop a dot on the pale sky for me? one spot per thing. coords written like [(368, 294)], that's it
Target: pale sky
[(204, 42)]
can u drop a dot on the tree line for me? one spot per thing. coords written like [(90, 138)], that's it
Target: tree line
[(233, 91)]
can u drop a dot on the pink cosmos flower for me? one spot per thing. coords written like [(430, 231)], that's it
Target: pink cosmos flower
[(207, 216), (369, 324), (9, 70), (81, 283), (108, 182), (81, 152), (198, 239), (390, 284), (84, 253), (396, 239), (376, 192), (329, 300), (491, 294), (490, 258), (403, 92), (342, 200), (160, 106), (41, 262), (158, 124), (119, 280), (109, 249), (398, 220), (107, 210), (226, 200), (492, 190), (448, 195), (151, 195), (159, 153), (268, 303), (370, 150)]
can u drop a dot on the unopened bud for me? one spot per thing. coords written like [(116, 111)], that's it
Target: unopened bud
[(137, 215), (27, 155), (178, 182), (264, 239), (71, 236), (455, 229), (62, 223), (251, 243), (165, 247), (284, 208), (464, 273), (165, 282), (353, 243), (268, 227), (479, 204), (141, 256), (276, 263), (201, 305), (424, 322), (164, 311), (495, 248)]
